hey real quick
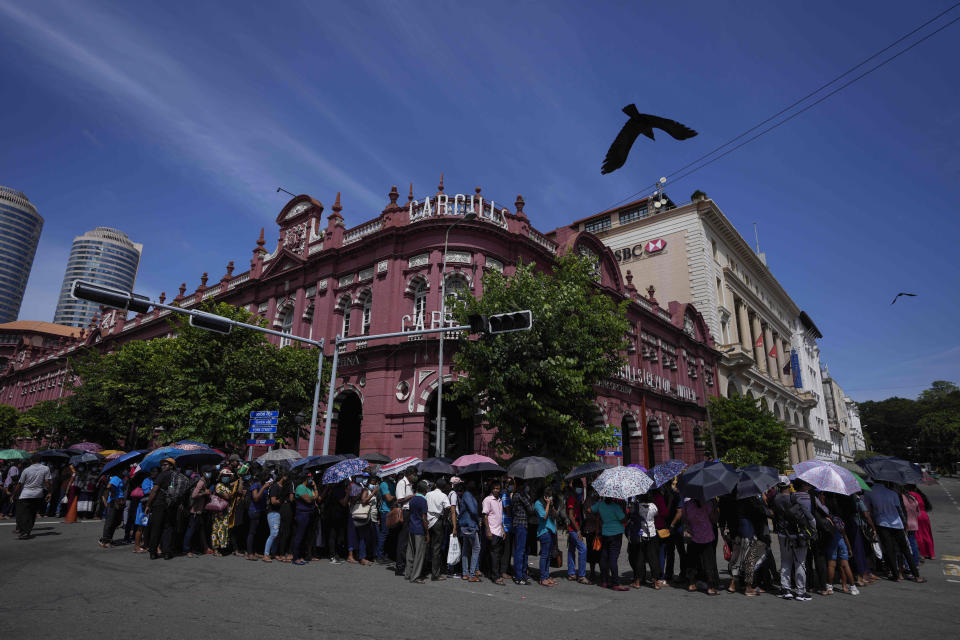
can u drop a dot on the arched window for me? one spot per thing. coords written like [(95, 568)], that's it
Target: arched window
[(419, 302), (286, 325), (345, 305), (366, 304), (457, 286)]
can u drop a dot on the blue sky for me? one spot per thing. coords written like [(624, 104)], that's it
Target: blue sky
[(177, 122)]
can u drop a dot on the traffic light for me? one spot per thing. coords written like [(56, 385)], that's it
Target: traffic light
[(210, 322), (110, 297), (513, 321), (478, 324)]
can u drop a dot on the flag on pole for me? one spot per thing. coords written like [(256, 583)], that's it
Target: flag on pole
[(759, 341), (773, 352)]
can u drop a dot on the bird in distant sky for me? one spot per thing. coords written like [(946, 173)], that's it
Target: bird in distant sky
[(637, 124), (902, 294)]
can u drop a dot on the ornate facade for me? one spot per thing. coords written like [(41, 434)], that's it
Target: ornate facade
[(321, 279)]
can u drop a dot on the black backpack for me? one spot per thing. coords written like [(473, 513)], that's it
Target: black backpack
[(790, 520), (178, 487)]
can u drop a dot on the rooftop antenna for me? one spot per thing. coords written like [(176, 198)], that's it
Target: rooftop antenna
[(292, 195), (756, 237), (659, 201)]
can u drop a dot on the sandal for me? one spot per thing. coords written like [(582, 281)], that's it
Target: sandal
[(584, 580), (499, 581), (474, 579), (572, 578), (545, 583), (618, 587), (267, 559)]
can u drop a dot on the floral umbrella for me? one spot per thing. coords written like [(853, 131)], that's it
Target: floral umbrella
[(622, 483), (667, 471), (344, 469)]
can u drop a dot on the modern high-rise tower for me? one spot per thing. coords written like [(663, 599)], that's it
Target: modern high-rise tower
[(20, 227), (104, 256)]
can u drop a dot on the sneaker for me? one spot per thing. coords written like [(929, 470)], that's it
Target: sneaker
[(786, 595), (803, 597), (854, 591), (336, 561)]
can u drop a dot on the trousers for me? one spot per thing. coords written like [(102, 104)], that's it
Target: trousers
[(498, 560), (162, 520), (111, 519), (438, 559), (609, 555), (520, 553), (646, 550), (416, 554), (793, 563), (576, 551), (893, 542), (27, 509)]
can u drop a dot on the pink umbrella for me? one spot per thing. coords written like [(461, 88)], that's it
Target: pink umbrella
[(91, 447), (472, 458)]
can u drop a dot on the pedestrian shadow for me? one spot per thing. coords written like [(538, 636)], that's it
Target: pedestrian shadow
[(45, 533)]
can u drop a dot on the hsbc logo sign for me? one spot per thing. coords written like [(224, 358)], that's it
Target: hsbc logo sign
[(638, 251)]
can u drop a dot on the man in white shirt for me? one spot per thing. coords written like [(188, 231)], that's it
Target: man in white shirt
[(32, 483), (438, 504), (404, 494)]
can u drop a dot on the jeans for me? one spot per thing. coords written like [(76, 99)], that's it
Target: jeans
[(303, 521), (273, 523), (366, 537), (609, 555), (793, 556), (194, 525), (252, 530), (470, 539), (546, 546), (382, 532), (576, 549), (520, 553), (111, 519)]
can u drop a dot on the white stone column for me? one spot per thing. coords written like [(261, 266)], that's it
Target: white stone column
[(757, 335), (743, 328), (767, 346)]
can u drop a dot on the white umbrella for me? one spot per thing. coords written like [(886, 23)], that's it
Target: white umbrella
[(279, 454), (622, 483)]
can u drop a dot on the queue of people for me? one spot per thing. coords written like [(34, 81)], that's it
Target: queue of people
[(452, 528)]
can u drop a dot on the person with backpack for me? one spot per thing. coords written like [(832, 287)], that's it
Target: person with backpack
[(169, 486), (795, 526)]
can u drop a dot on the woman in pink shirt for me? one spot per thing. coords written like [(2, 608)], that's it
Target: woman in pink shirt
[(912, 510), (924, 530)]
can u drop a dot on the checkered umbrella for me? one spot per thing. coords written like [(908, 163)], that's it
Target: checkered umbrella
[(622, 483)]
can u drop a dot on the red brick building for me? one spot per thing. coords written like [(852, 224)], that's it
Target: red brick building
[(321, 279)]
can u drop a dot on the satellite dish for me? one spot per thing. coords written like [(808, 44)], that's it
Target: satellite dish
[(663, 201), (663, 181), (657, 204)]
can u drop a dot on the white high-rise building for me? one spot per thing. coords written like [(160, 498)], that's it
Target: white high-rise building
[(20, 227)]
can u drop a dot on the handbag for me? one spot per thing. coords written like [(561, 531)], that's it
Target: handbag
[(597, 543), (216, 504), (394, 518), (556, 558), (663, 533), (453, 550), (727, 552), (361, 513), (137, 493)]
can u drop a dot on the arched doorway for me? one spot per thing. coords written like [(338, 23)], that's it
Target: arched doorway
[(674, 440), (627, 427), (349, 410), (459, 432)]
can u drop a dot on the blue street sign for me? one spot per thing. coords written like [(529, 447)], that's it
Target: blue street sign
[(263, 422), (268, 443), (609, 453), (263, 429), (264, 414)]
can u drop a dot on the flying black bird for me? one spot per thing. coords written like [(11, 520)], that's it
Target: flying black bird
[(637, 124), (902, 294)]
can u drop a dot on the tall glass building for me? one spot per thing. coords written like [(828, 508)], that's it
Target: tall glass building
[(20, 227), (103, 256)]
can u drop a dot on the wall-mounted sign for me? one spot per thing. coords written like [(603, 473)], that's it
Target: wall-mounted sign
[(457, 205), (638, 251)]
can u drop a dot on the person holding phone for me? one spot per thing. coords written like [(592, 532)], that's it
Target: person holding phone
[(546, 529)]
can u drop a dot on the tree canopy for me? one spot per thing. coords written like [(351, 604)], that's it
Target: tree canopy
[(536, 389), (747, 432), (923, 430)]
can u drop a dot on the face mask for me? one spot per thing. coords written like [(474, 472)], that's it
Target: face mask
[(371, 486), (207, 475), (579, 491)]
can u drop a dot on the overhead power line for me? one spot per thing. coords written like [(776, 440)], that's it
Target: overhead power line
[(651, 187)]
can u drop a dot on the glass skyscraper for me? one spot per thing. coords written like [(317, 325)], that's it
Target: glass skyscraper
[(103, 256), (20, 227)]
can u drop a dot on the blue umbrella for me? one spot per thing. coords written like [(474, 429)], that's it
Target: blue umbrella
[(125, 459), (344, 469), (667, 471), (153, 458), (311, 462)]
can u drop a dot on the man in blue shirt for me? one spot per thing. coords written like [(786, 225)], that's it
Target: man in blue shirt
[(886, 508), (419, 534), (113, 513)]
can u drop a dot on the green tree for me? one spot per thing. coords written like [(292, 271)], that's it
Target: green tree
[(746, 431), (10, 428), (890, 426), (50, 418), (939, 438), (536, 389)]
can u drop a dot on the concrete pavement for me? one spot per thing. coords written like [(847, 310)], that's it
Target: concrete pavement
[(62, 583)]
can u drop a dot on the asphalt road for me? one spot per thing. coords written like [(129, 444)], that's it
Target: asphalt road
[(62, 584)]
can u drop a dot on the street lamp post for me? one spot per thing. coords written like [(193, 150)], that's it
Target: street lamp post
[(441, 424)]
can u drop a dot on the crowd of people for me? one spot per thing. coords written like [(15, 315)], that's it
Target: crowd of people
[(466, 528)]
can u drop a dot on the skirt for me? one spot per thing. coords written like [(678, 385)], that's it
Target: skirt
[(925, 536)]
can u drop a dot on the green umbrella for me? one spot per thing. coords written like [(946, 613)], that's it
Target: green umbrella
[(861, 481), (13, 454)]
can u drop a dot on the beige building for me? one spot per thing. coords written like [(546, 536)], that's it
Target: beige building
[(693, 253)]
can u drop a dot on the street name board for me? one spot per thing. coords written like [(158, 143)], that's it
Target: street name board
[(268, 443), (264, 414), (609, 453), (263, 422), (272, 429)]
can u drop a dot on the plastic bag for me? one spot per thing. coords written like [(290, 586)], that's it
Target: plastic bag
[(453, 551)]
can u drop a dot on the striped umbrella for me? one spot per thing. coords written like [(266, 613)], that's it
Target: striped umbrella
[(827, 476), (399, 464)]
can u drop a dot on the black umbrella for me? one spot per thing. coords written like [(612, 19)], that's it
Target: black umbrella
[(52, 454), (707, 480), (126, 460), (755, 479), (481, 467), (531, 467), (197, 457), (313, 462), (892, 469), (85, 458), (440, 466), (587, 469), (376, 458)]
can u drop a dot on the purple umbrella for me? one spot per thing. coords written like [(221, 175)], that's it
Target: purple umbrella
[(667, 471), (344, 469), (84, 447)]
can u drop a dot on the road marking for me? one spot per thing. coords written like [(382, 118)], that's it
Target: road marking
[(949, 580), (950, 558), (951, 570)]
